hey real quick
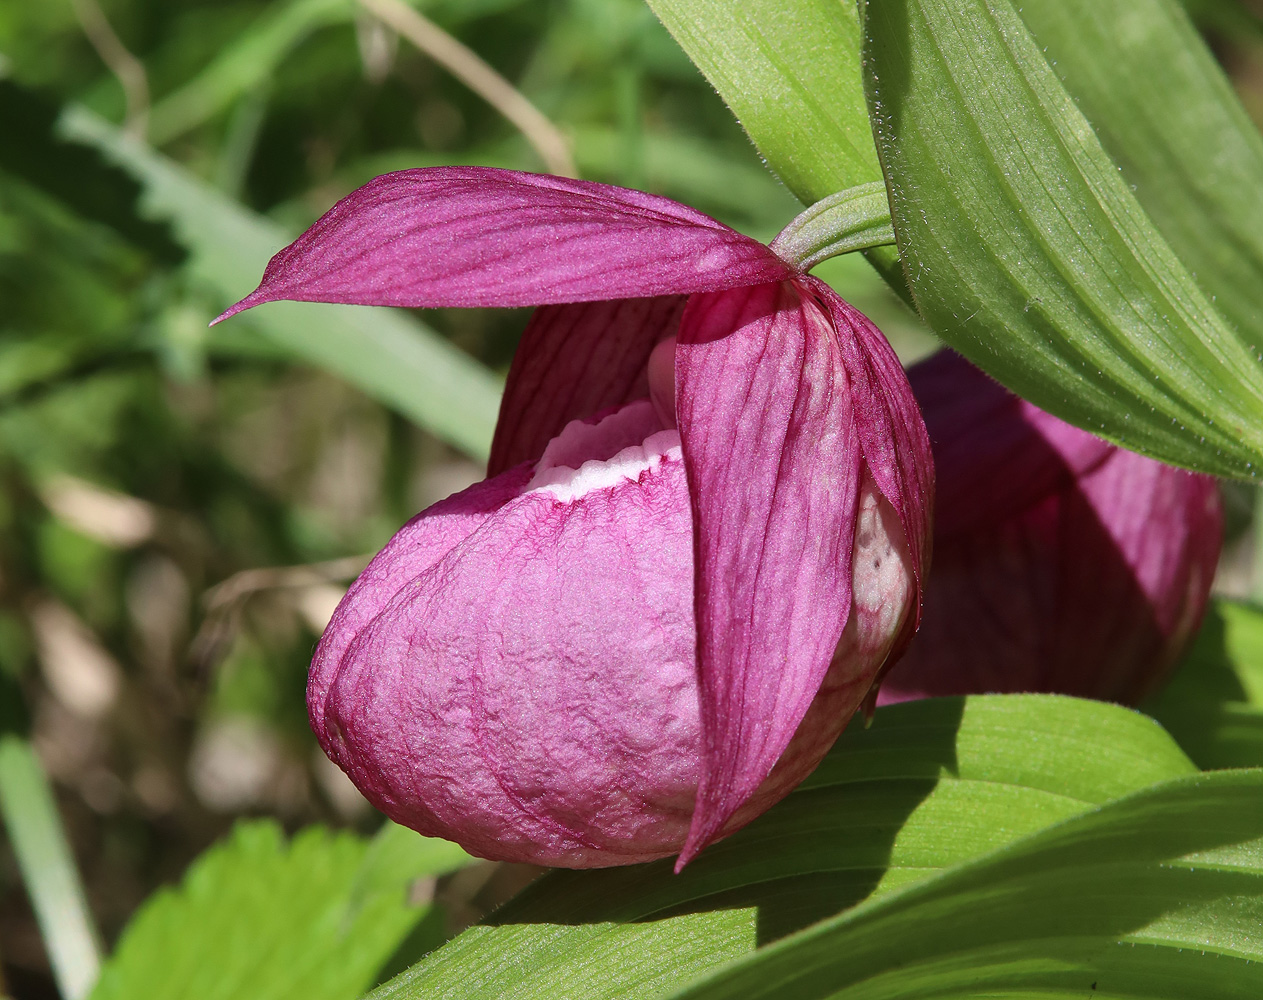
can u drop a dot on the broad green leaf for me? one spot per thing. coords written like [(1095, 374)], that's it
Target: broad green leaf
[(791, 75), (259, 918), (1158, 895), (1169, 118), (1214, 703), (1027, 250), (928, 785), (387, 354)]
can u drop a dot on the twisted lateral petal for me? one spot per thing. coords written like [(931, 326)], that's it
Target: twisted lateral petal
[(773, 463), (477, 236), (576, 360), (892, 435)]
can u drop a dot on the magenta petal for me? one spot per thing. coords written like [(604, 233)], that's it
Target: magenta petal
[(989, 442), (891, 432), (1062, 563), (418, 545), (576, 360), (477, 236), (773, 463), (1093, 590), (516, 671)]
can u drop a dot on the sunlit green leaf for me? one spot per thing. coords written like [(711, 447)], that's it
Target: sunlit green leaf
[(1166, 113), (1158, 895), (929, 785), (259, 918), (791, 75), (1214, 703), (1027, 250)]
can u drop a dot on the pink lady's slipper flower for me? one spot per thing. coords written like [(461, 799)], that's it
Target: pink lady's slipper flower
[(1061, 562), (701, 539)]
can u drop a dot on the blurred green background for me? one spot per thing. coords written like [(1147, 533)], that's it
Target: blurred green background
[(180, 508)]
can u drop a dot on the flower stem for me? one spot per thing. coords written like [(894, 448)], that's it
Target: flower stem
[(855, 219)]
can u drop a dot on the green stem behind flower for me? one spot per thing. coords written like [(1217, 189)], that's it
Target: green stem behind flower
[(855, 219)]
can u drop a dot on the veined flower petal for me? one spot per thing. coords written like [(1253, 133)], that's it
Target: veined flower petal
[(478, 236), (891, 434), (516, 670), (773, 461), (1062, 563), (576, 360)]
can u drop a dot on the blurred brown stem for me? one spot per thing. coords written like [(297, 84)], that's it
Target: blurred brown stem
[(129, 70), (225, 601), (250, 581), (468, 67)]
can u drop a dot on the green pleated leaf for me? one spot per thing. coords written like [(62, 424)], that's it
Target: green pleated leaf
[(386, 353), (260, 918), (1158, 895), (929, 785), (1214, 703), (1027, 250), (1167, 115), (791, 75)]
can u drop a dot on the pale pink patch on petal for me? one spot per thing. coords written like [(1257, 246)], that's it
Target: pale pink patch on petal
[(891, 432)]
